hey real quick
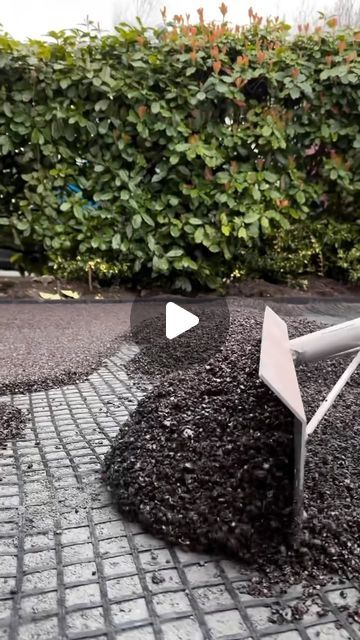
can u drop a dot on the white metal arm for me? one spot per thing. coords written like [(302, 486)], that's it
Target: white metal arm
[(340, 339), (336, 340)]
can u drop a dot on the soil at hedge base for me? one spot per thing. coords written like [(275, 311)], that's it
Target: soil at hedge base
[(206, 461)]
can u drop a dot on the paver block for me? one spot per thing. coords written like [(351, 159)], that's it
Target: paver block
[(83, 595), (225, 623), (78, 553), (185, 629), (39, 559), (329, 631), (170, 603), (85, 620), (76, 534), (40, 580), (40, 603), (41, 630), (142, 633), (118, 566), (163, 580), (114, 546), (123, 587), (153, 560), (81, 572), (130, 611), (5, 610), (213, 597)]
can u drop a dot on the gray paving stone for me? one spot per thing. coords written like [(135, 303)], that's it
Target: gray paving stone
[(213, 597), (143, 633), (186, 629), (81, 572), (83, 595), (8, 565), (328, 632), (118, 566), (225, 623), (78, 553), (170, 603), (123, 587), (85, 620), (40, 580), (129, 612), (40, 603), (5, 611), (153, 560), (6, 585), (165, 579), (42, 630), (39, 559)]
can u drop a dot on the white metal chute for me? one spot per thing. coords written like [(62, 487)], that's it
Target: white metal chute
[(277, 369)]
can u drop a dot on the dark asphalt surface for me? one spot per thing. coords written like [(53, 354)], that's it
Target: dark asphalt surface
[(46, 345)]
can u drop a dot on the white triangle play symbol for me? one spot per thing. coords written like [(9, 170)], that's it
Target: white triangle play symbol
[(178, 320)]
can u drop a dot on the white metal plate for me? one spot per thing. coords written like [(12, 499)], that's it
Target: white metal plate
[(277, 370)]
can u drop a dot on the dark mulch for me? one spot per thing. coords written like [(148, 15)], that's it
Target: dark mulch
[(12, 423), (206, 461)]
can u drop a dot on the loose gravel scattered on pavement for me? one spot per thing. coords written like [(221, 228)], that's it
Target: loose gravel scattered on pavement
[(48, 345), (12, 423)]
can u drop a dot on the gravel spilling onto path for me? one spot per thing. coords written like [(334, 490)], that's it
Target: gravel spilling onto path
[(205, 461), (42, 346), (12, 422)]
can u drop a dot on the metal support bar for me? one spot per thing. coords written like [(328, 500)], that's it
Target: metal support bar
[(331, 397), (338, 339)]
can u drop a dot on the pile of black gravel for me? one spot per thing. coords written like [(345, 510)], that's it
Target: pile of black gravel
[(206, 460), (12, 422)]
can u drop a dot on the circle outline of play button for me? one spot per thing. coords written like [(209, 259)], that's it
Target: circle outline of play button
[(178, 320), (158, 350)]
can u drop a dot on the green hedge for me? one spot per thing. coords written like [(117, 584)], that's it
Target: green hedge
[(208, 150)]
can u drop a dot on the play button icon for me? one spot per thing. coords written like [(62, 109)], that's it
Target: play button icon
[(178, 320), (177, 332)]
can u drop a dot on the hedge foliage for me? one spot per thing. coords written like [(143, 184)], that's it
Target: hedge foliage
[(206, 149)]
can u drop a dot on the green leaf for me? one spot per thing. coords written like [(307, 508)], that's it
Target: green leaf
[(175, 253), (251, 217), (199, 235), (145, 216), (295, 93), (7, 109), (266, 131), (242, 233), (195, 221), (155, 107), (270, 177), (66, 206), (116, 241), (136, 221), (256, 194), (102, 105), (300, 197)]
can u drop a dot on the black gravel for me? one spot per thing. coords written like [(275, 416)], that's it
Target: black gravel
[(205, 461), (12, 423)]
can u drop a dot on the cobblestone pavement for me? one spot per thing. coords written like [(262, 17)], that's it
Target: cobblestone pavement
[(71, 567)]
